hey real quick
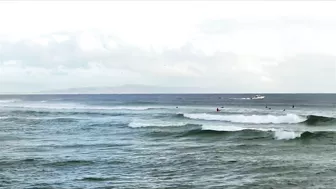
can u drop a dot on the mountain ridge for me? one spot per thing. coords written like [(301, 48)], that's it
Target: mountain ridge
[(126, 89)]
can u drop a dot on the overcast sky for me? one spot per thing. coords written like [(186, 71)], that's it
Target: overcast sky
[(228, 46)]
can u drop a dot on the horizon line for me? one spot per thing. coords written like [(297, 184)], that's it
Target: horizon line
[(173, 93)]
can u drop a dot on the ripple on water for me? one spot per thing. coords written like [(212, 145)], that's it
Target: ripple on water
[(70, 163)]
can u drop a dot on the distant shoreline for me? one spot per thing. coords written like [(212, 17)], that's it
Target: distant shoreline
[(214, 93)]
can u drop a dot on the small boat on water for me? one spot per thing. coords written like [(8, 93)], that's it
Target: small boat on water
[(258, 97)]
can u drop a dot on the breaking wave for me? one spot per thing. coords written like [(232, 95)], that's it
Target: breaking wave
[(286, 135), (319, 120), (277, 134), (264, 119), (260, 133), (254, 119), (235, 132)]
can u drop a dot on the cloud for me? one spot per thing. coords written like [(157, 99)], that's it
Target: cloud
[(306, 73), (227, 46), (64, 64), (68, 64)]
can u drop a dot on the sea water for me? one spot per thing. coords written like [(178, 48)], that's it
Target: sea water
[(168, 141)]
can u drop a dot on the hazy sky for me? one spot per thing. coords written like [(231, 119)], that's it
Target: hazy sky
[(243, 46)]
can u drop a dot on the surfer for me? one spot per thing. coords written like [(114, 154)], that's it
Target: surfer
[(217, 110), (266, 106), (293, 106), (284, 110)]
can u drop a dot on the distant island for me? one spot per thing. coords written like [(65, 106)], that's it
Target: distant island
[(127, 89)]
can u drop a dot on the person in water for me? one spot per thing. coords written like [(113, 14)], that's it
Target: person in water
[(217, 110)]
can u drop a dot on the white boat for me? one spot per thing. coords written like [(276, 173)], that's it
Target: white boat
[(258, 97)]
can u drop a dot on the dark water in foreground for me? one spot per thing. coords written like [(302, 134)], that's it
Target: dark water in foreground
[(144, 141)]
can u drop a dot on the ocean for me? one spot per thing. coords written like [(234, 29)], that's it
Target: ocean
[(168, 141)]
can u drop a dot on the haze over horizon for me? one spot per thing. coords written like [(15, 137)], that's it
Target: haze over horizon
[(149, 89), (244, 46)]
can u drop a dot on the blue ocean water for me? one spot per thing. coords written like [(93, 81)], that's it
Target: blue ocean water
[(168, 141)]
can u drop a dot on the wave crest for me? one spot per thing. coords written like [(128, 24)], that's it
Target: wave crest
[(286, 135), (136, 124), (257, 133), (319, 120), (254, 119)]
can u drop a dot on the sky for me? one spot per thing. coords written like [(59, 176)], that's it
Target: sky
[(241, 46)]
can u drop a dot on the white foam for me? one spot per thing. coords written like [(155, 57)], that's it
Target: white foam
[(278, 134), (255, 119), (233, 128), (240, 98), (286, 135), (222, 128), (9, 101), (70, 106)]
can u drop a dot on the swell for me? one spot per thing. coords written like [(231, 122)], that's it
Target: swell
[(37, 119), (97, 179), (54, 116), (277, 134), (169, 125), (70, 163), (262, 118), (239, 133), (66, 113), (27, 161), (314, 120), (210, 133)]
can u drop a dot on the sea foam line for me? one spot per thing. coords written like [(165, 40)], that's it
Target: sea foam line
[(256, 119), (278, 134)]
